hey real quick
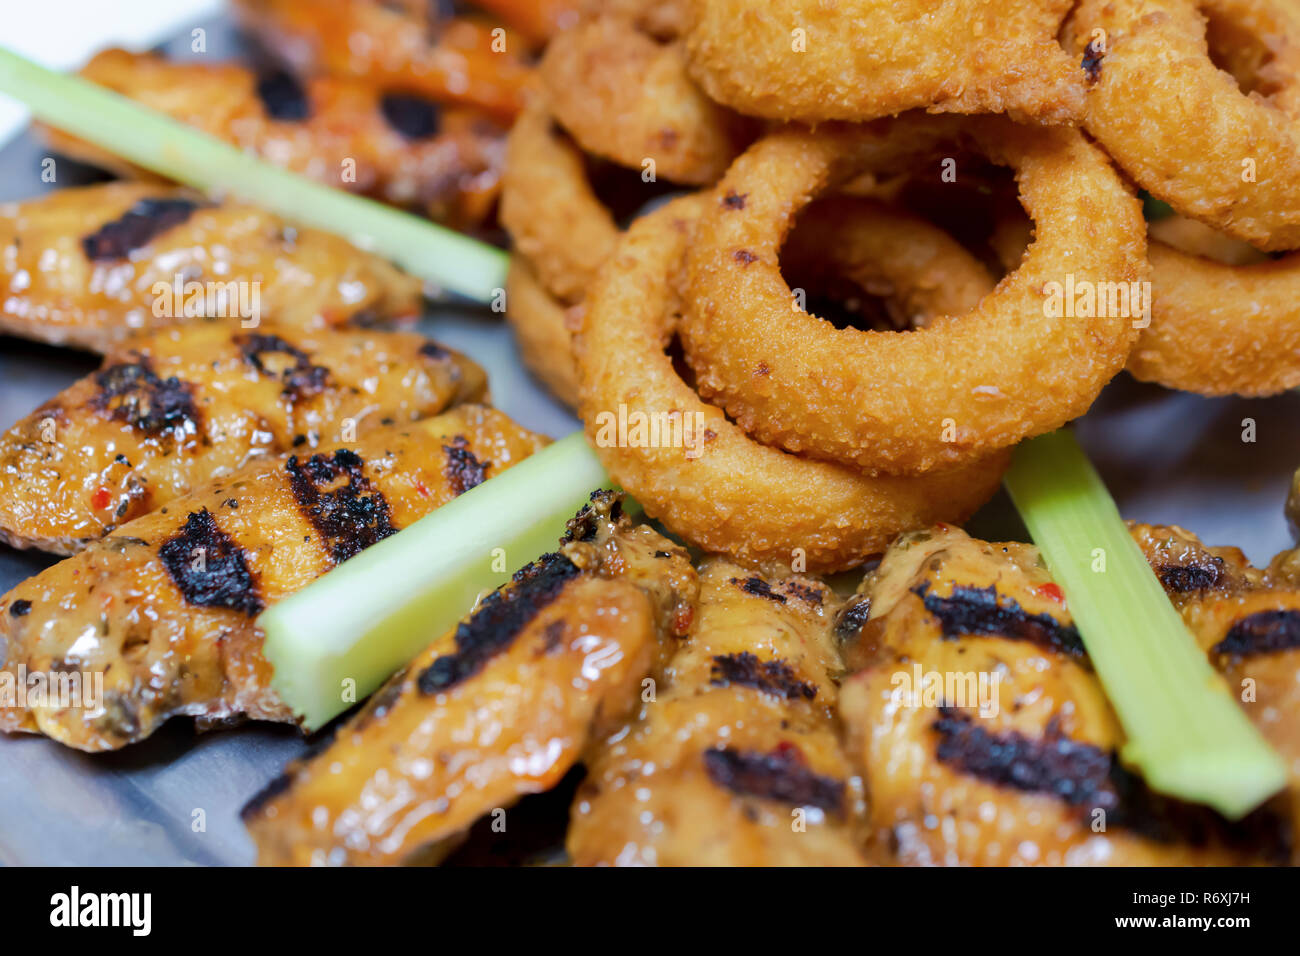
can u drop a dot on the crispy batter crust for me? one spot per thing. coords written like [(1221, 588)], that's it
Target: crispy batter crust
[(1010, 368), (753, 502), (624, 96), (549, 208), (1182, 128), (1219, 329), (810, 60), (543, 331)]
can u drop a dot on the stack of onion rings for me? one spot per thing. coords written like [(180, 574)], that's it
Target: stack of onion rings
[(831, 434), (719, 488), (614, 89), (1221, 322)]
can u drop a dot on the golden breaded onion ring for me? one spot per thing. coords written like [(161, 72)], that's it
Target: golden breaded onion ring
[(810, 60), (1181, 127), (626, 97), (542, 333), (1225, 318), (549, 208), (1220, 329), (1023, 362), (719, 489)]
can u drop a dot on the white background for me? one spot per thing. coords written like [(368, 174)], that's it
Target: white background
[(63, 34)]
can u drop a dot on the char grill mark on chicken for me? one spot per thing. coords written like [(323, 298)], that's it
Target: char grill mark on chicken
[(501, 706), (735, 758), (165, 606)]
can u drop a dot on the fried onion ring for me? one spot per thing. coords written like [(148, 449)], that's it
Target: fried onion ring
[(810, 60), (910, 402), (1225, 319), (1181, 127), (549, 207), (624, 96), (1219, 329), (542, 331), (719, 489)]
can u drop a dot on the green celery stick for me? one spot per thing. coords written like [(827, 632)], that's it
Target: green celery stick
[(372, 614), (1186, 734), (150, 139)]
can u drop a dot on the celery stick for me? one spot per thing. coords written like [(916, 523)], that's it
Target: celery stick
[(158, 143), (1186, 734), (372, 614)]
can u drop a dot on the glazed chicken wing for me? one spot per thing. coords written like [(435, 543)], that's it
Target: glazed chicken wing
[(398, 147), (397, 46), (501, 706), (735, 761), (984, 735), (1247, 620), (169, 412), (165, 606), (90, 266)]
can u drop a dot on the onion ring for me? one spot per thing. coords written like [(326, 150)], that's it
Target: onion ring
[(719, 489), (1219, 329), (628, 98), (810, 60), (1181, 127), (549, 207), (1011, 368), (542, 328), (1225, 319)]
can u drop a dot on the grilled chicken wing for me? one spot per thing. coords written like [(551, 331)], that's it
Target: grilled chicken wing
[(164, 608), (171, 411), (398, 147), (501, 706), (736, 761), (90, 266), (458, 60), (1247, 620), (984, 735)]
